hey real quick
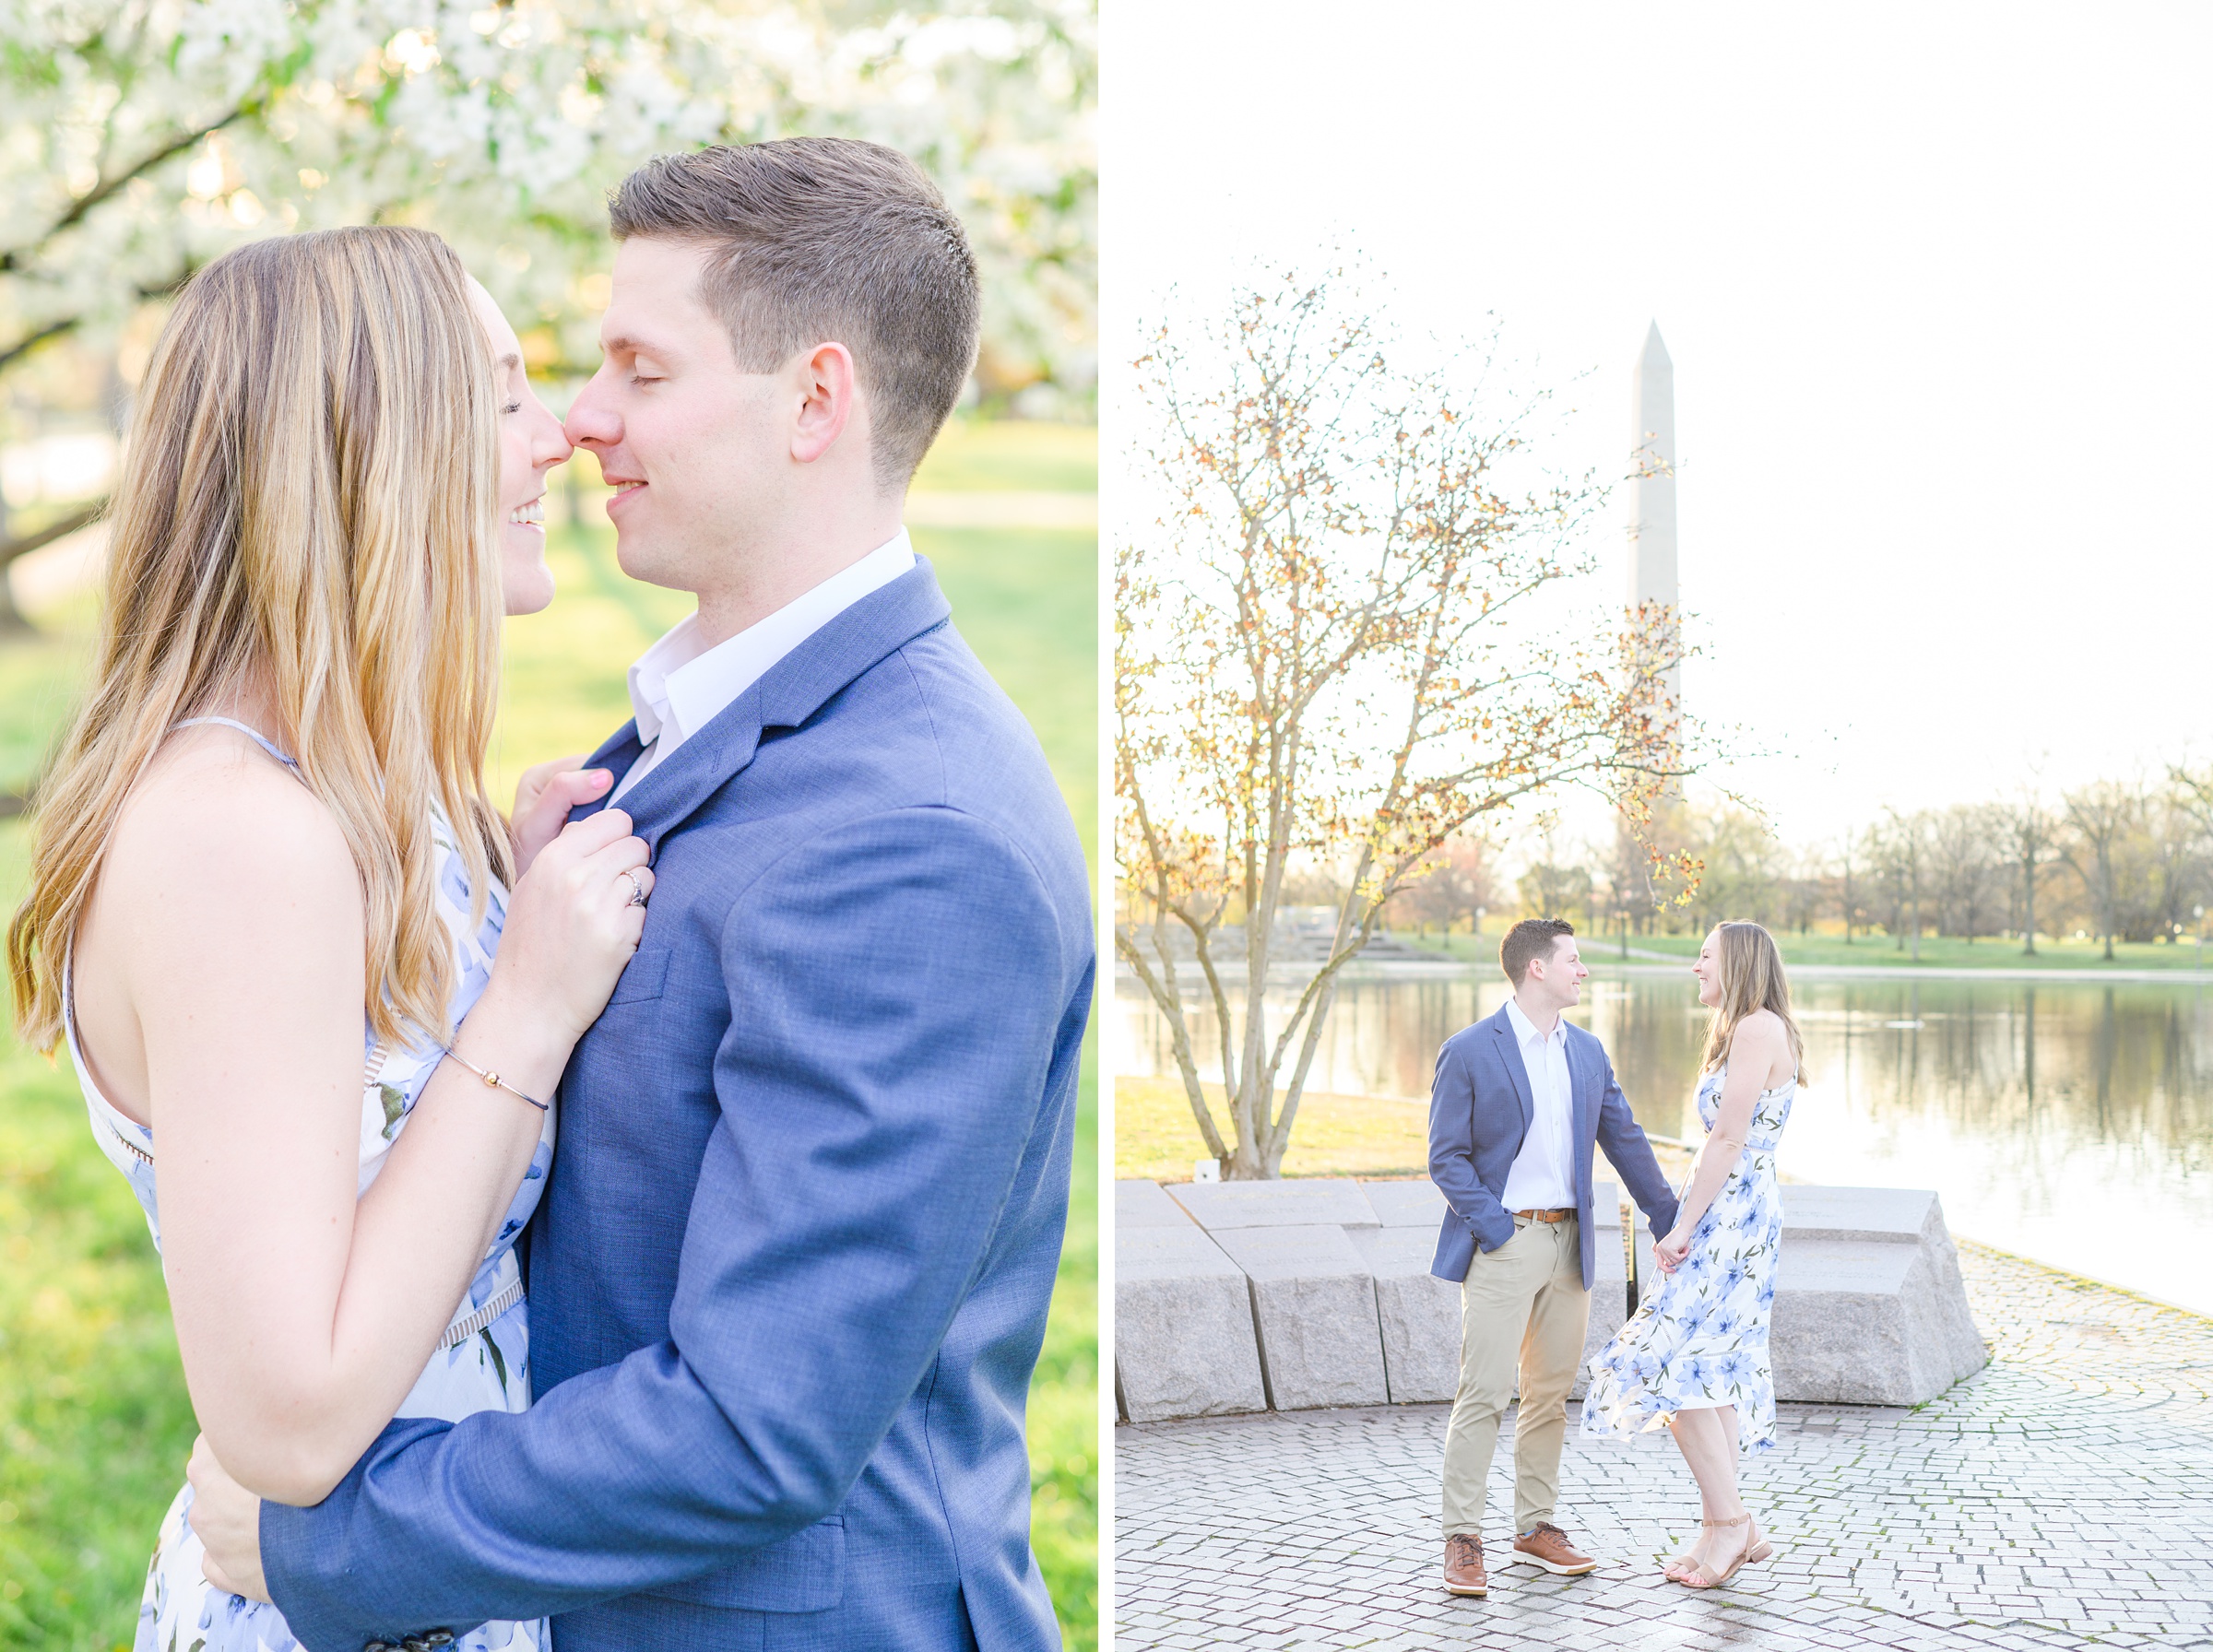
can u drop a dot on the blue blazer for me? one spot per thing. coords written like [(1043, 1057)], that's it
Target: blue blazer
[(790, 1276), (1479, 1112)]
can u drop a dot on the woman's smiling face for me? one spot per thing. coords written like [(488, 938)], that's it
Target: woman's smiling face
[(1707, 969), (531, 444)]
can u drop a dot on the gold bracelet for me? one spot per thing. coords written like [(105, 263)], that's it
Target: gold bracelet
[(492, 1081)]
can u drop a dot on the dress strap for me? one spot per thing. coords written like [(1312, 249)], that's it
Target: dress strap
[(253, 734)]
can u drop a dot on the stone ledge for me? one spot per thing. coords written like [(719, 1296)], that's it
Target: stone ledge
[(1609, 1280), (1893, 1215), (1870, 1322), (1853, 1323), (1314, 1302), (1219, 1207), (1184, 1338), (1140, 1204), (1870, 1304), (1406, 1204), (1418, 1313)]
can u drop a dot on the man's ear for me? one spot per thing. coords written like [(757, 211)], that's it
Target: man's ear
[(826, 390)]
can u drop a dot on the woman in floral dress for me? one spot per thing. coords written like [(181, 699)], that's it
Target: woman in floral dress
[(1694, 1356), (268, 885)]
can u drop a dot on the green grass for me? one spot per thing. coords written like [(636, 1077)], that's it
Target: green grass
[(1819, 950), (1156, 1139), (1374, 1138), (37, 675), (94, 1425), (1008, 456), (94, 1422), (1882, 951)]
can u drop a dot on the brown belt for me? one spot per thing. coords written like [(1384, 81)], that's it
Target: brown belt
[(1545, 1215)]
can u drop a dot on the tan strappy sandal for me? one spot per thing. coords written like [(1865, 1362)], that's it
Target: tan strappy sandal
[(1668, 1569), (1696, 1574)]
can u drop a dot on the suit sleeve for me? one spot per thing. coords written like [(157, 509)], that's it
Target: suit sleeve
[(1631, 1155), (894, 1010), (1452, 1151)]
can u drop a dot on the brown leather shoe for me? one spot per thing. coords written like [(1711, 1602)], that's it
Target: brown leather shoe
[(1463, 1565), (1548, 1546)]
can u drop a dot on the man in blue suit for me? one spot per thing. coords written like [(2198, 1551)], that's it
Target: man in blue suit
[(790, 1273), (1518, 1103)]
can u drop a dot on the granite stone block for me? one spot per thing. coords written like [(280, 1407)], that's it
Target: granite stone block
[(1909, 1324), (1418, 1313), (1644, 1273), (1869, 1322), (1842, 1331), (1609, 1279), (1900, 1215), (1220, 1206), (1406, 1204), (1606, 1205), (1314, 1302), (1184, 1344), (1142, 1204), (1341, 1309)]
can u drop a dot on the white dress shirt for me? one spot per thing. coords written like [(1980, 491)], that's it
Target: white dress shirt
[(678, 686), (1542, 1177)]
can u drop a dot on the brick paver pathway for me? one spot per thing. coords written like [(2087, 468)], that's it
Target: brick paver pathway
[(2062, 1497)]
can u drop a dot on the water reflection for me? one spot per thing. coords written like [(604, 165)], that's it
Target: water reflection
[(2067, 1121)]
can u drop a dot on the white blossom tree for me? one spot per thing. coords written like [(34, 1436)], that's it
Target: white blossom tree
[(142, 137)]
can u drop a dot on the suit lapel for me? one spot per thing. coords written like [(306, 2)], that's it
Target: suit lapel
[(620, 754), (672, 793), (1510, 1055), (791, 693)]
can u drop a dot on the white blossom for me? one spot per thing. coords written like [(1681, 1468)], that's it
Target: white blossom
[(138, 139)]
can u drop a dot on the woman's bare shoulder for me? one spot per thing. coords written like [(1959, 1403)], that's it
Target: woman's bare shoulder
[(1761, 1030), (214, 816)]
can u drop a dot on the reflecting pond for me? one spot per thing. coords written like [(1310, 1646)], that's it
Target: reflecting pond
[(2065, 1120)]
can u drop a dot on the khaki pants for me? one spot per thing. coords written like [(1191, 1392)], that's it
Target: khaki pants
[(1527, 1294)]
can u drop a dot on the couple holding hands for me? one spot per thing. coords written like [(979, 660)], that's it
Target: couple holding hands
[(800, 959), (1520, 1100)]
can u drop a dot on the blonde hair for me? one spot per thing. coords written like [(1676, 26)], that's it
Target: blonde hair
[(309, 497), (1751, 979)]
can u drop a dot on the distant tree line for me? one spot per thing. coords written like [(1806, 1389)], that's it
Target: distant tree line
[(2112, 860)]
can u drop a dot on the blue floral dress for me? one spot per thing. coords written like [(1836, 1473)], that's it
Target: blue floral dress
[(483, 1363), (1701, 1339)]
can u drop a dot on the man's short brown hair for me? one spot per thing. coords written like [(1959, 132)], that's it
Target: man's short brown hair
[(826, 240), (1530, 939)]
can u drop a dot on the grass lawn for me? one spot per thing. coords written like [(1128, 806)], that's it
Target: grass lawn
[(1156, 1137), (94, 1422), (1946, 952), (1866, 951)]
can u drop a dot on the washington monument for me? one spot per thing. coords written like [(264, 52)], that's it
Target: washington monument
[(1652, 490)]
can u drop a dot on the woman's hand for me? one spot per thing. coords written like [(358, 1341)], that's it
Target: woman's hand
[(542, 801), (227, 1518), (572, 922), (1668, 1253)]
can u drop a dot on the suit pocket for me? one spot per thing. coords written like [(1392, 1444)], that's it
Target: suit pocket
[(643, 978), (806, 1572)]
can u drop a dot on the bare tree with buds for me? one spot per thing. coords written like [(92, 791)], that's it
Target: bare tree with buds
[(1347, 638)]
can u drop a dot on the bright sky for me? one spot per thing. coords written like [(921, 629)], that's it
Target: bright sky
[(1935, 282)]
